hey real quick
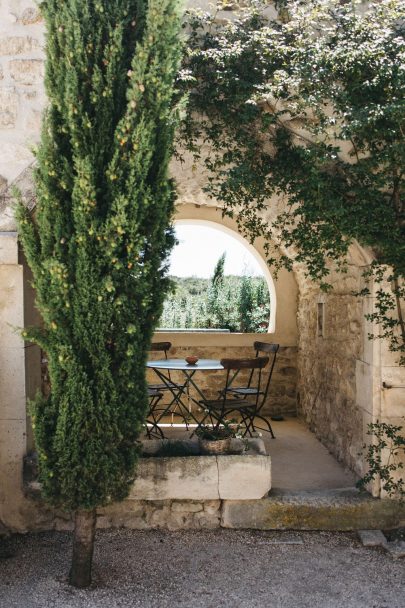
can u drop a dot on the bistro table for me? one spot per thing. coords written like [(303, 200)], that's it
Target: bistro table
[(180, 392)]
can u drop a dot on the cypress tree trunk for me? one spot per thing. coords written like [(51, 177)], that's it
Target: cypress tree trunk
[(83, 546), (99, 243)]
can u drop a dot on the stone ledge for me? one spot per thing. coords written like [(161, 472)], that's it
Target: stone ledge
[(342, 510), (235, 476), (333, 510)]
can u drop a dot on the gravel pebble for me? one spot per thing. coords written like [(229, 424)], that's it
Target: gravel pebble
[(210, 569)]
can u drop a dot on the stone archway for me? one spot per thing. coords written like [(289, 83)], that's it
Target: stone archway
[(205, 216), (341, 372)]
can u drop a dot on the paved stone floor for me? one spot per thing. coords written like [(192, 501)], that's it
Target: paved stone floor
[(299, 460), (207, 569)]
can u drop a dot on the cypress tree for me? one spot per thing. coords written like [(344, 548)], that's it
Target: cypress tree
[(246, 304), (218, 276), (214, 291), (99, 243)]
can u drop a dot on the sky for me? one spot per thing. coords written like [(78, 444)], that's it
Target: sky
[(199, 249)]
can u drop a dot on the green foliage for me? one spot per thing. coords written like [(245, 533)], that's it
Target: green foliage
[(309, 106), (100, 239), (383, 458), (188, 306), (215, 308), (220, 430), (172, 449), (246, 303), (218, 303), (218, 276)]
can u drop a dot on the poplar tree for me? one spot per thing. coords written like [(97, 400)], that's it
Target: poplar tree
[(99, 242)]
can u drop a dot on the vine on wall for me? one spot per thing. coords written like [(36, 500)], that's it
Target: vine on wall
[(309, 106)]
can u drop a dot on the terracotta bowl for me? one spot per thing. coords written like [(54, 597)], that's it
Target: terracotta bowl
[(191, 359)]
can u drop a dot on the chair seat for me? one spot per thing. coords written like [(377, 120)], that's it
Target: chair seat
[(248, 399), (154, 392), (165, 387), (230, 404), (245, 390)]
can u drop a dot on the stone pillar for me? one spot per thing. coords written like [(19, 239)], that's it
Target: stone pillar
[(13, 425)]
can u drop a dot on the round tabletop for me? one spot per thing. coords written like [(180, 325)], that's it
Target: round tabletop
[(181, 364)]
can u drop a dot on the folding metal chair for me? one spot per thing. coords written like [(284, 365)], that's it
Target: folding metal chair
[(163, 347), (249, 403), (152, 428), (169, 386), (270, 350)]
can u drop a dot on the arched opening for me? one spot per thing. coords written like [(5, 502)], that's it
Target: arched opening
[(245, 274)]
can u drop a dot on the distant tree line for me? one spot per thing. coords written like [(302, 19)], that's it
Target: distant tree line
[(237, 303)]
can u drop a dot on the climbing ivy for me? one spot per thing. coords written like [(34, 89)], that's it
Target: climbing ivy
[(307, 106), (383, 456)]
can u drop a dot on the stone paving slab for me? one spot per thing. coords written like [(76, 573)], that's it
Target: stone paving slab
[(372, 538)]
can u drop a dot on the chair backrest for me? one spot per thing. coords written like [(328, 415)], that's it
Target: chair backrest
[(270, 349), (161, 347), (257, 363), (265, 347), (235, 365)]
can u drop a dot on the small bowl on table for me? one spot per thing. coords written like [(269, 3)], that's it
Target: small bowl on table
[(191, 359)]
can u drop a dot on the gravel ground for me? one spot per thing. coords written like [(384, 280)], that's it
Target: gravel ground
[(210, 569)]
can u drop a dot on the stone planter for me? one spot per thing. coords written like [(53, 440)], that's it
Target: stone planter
[(244, 476), (219, 446)]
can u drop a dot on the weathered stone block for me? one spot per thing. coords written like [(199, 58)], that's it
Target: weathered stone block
[(212, 506), (242, 477), (8, 247), (8, 107), (188, 507), (180, 521), (30, 16), (207, 520), (129, 514), (190, 477), (336, 510), (372, 538), (199, 478), (27, 71), (17, 45), (159, 516), (63, 525)]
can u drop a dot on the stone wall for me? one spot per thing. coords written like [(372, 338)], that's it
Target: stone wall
[(166, 514), (22, 95), (327, 377), (341, 373)]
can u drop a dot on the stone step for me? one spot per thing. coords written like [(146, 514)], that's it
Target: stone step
[(343, 509)]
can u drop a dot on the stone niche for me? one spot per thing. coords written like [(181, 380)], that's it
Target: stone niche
[(243, 474)]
